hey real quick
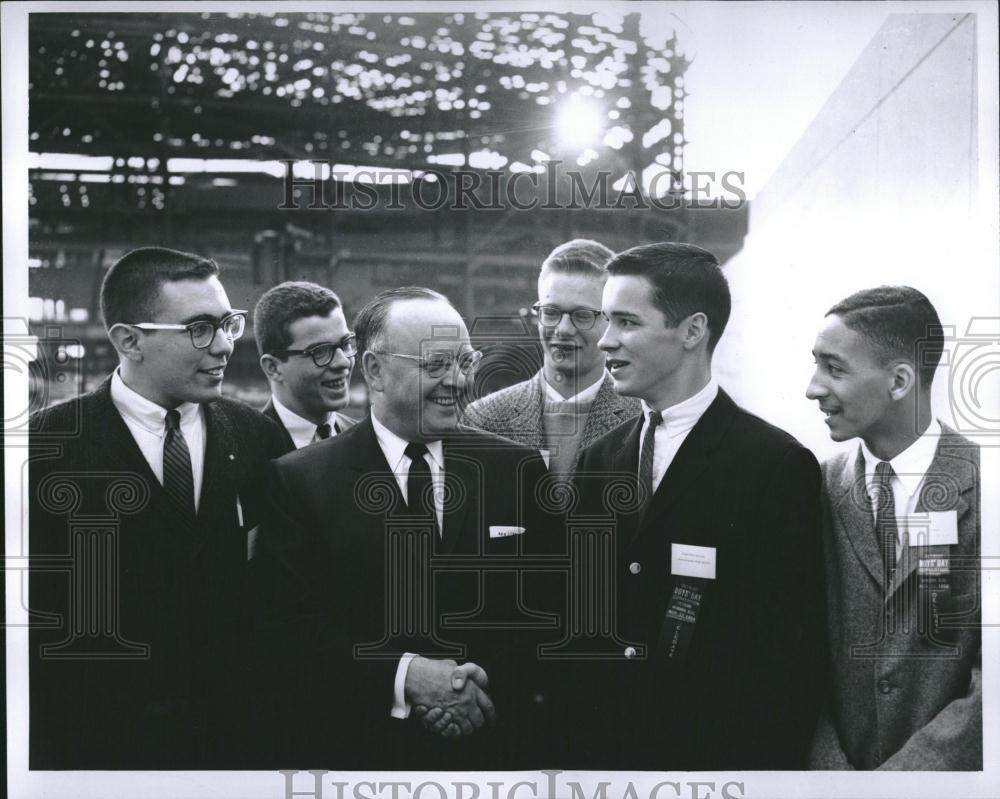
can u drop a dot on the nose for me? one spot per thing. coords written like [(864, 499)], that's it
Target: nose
[(608, 341), (815, 390), (221, 344), (340, 361), (565, 328), (454, 376)]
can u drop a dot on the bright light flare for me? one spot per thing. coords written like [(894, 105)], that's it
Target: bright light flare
[(579, 123)]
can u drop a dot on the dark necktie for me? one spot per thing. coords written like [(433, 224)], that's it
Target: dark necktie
[(419, 496), (885, 518), (646, 458), (178, 482), (323, 430)]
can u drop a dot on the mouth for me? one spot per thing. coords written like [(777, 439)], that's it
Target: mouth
[(829, 412), (614, 365), (215, 371), (338, 383), (445, 402), (561, 350)]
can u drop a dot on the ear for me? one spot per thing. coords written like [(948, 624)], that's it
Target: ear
[(271, 367), (371, 368), (695, 329), (126, 341), (904, 379)]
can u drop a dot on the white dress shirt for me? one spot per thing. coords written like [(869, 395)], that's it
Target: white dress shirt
[(678, 420), (146, 422), (394, 447), (302, 431), (909, 469)]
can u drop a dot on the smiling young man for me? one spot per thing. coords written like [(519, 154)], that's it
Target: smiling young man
[(307, 355), (713, 549), (344, 563), (902, 543), (142, 493), (570, 403)]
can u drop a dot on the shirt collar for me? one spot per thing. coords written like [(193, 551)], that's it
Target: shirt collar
[(394, 447), (912, 463), (297, 426), (680, 418), (587, 395), (144, 412)]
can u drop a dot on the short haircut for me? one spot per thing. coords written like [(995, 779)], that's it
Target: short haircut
[(279, 307), (131, 287), (899, 322), (578, 257), (686, 279), (369, 324)]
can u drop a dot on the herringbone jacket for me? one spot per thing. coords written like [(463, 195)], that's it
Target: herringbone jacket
[(516, 412)]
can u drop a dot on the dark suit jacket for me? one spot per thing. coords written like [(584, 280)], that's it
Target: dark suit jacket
[(910, 696), (344, 595), (162, 683), (746, 694), (342, 422)]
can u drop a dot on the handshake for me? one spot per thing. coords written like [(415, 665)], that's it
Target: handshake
[(449, 699)]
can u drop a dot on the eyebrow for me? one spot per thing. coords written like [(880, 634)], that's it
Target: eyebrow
[(204, 317), (622, 314), (827, 356)]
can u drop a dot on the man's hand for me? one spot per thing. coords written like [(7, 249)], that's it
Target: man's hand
[(449, 700)]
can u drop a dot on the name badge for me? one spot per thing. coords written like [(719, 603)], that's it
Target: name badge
[(688, 560), (933, 529), (500, 531), (934, 567)]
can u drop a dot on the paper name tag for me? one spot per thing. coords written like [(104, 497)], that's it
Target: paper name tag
[(687, 560), (933, 529), (499, 531), (934, 566)]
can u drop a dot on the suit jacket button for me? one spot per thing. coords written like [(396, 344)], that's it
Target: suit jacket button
[(630, 651), (635, 567), (884, 686)]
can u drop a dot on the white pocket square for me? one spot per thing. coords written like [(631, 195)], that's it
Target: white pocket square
[(502, 531)]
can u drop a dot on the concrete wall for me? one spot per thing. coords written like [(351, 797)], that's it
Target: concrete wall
[(885, 186)]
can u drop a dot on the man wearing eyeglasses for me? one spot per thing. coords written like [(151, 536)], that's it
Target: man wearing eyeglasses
[(142, 493), (369, 566), (571, 402), (307, 354)]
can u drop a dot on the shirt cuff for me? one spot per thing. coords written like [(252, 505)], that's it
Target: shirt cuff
[(400, 707)]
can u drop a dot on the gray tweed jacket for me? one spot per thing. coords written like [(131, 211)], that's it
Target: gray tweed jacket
[(907, 696), (516, 412)]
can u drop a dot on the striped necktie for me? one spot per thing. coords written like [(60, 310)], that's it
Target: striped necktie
[(178, 482), (885, 518), (646, 458)]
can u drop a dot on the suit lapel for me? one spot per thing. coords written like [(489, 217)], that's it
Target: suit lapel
[(217, 485), (366, 459), (114, 440), (625, 461), (528, 413), (946, 486), (692, 458), (605, 406), (272, 414), (460, 472), (850, 502)]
